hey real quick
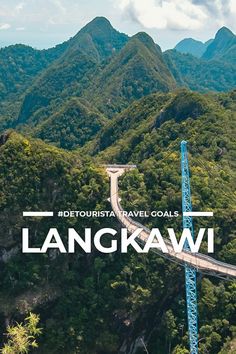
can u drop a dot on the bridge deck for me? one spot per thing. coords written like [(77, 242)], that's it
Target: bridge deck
[(200, 261)]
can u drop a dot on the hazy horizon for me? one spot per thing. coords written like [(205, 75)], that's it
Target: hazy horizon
[(49, 22), (56, 43)]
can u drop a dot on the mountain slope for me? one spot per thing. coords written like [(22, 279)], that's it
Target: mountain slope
[(192, 46), (104, 38), (73, 125), (222, 43), (207, 122), (117, 290), (201, 75), (93, 43), (19, 64), (57, 83), (129, 127), (100, 303), (104, 67), (139, 69), (129, 120)]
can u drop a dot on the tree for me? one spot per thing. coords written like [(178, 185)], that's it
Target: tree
[(171, 330), (22, 337), (180, 350)]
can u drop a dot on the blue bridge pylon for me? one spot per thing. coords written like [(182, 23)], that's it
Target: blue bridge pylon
[(190, 272)]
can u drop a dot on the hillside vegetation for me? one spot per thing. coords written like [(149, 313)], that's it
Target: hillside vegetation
[(106, 68), (84, 123), (103, 97)]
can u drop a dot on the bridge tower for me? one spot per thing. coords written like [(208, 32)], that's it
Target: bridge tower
[(190, 272)]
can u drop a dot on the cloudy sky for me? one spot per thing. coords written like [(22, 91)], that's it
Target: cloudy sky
[(44, 23)]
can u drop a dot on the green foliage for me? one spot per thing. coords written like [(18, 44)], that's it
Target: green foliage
[(170, 328), (192, 46), (128, 290), (229, 347), (180, 350), (19, 65), (104, 67), (183, 106), (208, 124), (224, 42), (199, 74), (72, 126), (72, 72), (136, 71), (93, 304), (22, 337), (128, 120)]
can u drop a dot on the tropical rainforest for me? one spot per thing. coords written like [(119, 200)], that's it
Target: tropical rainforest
[(103, 97)]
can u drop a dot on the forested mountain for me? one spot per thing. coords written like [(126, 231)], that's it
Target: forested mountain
[(75, 124), (221, 47), (100, 303), (150, 114), (133, 118), (107, 68), (71, 73), (19, 64), (111, 98), (99, 39), (192, 46), (139, 69), (199, 75), (224, 43), (217, 74)]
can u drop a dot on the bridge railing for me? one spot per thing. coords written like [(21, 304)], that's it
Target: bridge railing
[(120, 166), (124, 220)]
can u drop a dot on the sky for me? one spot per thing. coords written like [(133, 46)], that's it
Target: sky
[(45, 23)]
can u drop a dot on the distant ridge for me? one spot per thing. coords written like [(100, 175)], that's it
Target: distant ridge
[(192, 46), (223, 42), (105, 38), (92, 44), (136, 71), (107, 69)]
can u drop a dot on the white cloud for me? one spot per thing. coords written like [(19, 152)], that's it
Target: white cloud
[(20, 6), (60, 6), (48, 22), (5, 26), (233, 6), (177, 14)]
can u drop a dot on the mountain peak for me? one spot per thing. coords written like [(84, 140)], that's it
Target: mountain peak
[(224, 40), (191, 46), (223, 32), (145, 39), (98, 22), (143, 36), (98, 39), (100, 19)]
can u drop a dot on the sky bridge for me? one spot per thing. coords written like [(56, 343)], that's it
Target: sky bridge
[(192, 262), (201, 262)]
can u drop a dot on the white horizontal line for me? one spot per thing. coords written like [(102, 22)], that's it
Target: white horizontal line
[(197, 213), (37, 213)]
